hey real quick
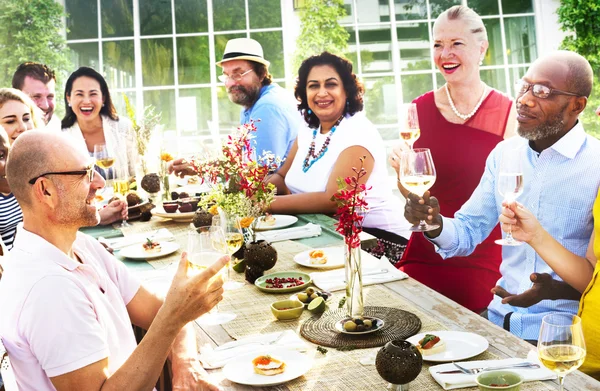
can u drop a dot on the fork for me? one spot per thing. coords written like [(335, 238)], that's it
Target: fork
[(272, 342), (475, 371)]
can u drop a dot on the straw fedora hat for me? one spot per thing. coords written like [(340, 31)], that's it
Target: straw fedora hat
[(243, 49)]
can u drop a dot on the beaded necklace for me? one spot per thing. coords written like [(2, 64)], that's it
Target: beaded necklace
[(311, 150), (464, 117)]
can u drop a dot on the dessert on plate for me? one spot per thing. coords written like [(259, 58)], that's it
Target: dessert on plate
[(151, 246), (269, 220), (317, 257), (431, 344), (268, 365)]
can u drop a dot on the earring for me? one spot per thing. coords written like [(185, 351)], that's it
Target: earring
[(347, 103), (69, 105), (102, 104), (309, 111), (481, 61)]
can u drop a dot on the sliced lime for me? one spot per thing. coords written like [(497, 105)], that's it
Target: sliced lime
[(240, 266), (317, 305)]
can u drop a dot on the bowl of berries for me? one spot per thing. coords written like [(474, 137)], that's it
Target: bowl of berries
[(282, 282)]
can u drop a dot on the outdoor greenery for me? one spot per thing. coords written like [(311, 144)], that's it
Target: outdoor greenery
[(580, 17), (31, 30)]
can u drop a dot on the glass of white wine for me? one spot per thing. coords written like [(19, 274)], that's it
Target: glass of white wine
[(510, 186), (104, 159), (205, 246), (410, 131), (561, 347), (121, 185), (234, 240), (417, 175)]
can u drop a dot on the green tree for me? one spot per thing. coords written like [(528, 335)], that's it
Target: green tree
[(581, 19), (320, 30), (32, 30)]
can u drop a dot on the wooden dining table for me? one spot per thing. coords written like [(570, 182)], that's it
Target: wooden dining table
[(337, 369)]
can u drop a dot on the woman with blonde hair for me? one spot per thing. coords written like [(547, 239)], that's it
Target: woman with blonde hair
[(18, 113), (461, 122)]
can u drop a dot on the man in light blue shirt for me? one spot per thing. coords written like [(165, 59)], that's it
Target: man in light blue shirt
[(561, 177)]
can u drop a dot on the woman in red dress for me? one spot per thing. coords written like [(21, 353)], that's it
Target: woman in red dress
[(461, 123)]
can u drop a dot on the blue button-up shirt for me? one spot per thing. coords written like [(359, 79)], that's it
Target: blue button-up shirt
[(560, 186), (279, 120)]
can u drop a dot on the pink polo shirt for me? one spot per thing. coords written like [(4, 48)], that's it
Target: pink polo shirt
[(58, 315)]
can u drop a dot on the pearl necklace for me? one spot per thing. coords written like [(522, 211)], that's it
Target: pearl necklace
[(464, 117), (311, 156)]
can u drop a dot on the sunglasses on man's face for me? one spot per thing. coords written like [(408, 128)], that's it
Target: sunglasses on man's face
[(539, 90), (89, 171)]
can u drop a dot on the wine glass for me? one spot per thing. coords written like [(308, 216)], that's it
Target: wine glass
[(205, 246), (410, 131), (104, 159), (417, 174), (234, 239), (510, 186), (561, 347), (121, 185)]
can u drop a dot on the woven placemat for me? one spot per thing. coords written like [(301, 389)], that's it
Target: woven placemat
[(399, 324)]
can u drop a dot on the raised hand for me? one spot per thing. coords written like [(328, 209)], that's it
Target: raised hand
[(525, 227), (181, 167), (426, 208)]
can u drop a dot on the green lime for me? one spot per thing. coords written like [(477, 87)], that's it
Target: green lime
[(317, 305), (133, 186), (239, 267)]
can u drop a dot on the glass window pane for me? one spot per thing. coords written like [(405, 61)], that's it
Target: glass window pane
[(220, 42), (229, 113), (272, 44), (164, 103), (264, 13), (82, 22), (119, 101), (520, 40), (155, 17), (191, 16), (380, 100), (193, 60), (410, 9), (415, 85), (194, 112), (494, 53), (119, 64), (375, 49), (117, 18), (157, 62), (84, 55), (484, 7), (413, 42), (229, 15), (516, 7), (439, 6), (349, 7), (494, 78), (351, 51), (440, 79), (369, 11), (516, 74)]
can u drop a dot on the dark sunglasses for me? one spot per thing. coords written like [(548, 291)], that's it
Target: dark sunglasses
[(90, 172), (539, 90)]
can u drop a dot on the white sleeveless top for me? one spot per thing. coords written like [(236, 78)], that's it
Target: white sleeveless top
[(385, 210)]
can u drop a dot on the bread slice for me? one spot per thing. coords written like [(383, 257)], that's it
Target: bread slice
[(431, 344)]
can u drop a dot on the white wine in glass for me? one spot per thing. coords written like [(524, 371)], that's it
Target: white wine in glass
[(510, 185), (410, 131), (234, 240), (417, 175), (561, 347)]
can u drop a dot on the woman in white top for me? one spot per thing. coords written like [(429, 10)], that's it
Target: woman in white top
[(337, 136), (92, 119)]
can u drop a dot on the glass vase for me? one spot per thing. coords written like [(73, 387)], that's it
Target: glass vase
[(166, 188), (354, 289)]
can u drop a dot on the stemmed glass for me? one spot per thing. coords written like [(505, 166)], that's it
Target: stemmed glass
[(234, 241), (410, 131), (510, 186), (104, 159), (561, 347), (205, 246), (417, 174), (121, 185)]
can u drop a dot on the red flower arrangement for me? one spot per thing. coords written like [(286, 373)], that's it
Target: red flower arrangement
[(350, 199)]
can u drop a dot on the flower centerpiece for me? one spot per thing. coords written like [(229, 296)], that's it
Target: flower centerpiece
[(163, 172), (352, 206), (143, 128)]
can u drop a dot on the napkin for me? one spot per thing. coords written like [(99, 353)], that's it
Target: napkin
[(307, 231), (212, 359), (162, 234), (452, 381), (375, 271)]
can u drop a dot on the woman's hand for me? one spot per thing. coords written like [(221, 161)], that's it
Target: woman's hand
[(394, 158), (521, 222)]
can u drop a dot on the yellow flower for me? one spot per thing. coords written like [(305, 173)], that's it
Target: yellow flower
[(166, 157), (213, 210), (246, 222)]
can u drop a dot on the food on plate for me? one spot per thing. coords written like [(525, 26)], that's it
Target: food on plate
[(151, 183), (170, 207), (133, 198), (193, 201), (268, 220), (283, 282), (311, 293), (202, 218), (431, 344), (184, 194), (193, 180), (317, 305), (268, 365), (360, 325), (151, 246), (317, 257), (186, 207)]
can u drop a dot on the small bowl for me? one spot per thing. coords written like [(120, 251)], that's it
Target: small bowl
[(287, 309), (186, 207), (170, 208), (499, 380)]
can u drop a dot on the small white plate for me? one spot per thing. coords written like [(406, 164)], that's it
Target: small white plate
[(335, 258), (137, 251), (281, 221), (177, 216), (339, 326), (241, 371), (459, 345)]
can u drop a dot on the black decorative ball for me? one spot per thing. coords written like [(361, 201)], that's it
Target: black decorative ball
[(399, 362)]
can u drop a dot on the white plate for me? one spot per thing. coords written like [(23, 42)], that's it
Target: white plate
[(339, 326), (177, 216), (241, 371), (281, 221), (137, 251), (335, 258), (459, 345)]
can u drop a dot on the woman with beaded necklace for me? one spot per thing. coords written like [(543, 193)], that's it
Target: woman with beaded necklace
[(461, 123), (338, 135)]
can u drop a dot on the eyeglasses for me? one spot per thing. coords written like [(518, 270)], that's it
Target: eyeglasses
[(89, 171), (539, 90), (234, 77)]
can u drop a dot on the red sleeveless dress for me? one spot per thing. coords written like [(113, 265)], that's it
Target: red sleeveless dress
[(459, 153)]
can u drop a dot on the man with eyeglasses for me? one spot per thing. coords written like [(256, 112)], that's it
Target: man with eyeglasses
[(249, 84), (561, 177), (67, 305)]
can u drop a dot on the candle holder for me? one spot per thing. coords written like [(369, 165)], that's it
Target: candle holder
[(399, 362)]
